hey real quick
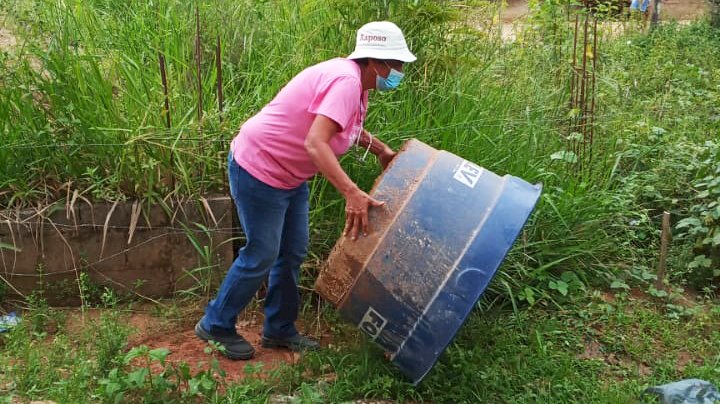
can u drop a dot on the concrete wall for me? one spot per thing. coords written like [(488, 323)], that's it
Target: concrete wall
[(61, 241)]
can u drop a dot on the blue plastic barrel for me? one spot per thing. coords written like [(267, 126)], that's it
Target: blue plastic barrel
[(434, 246)]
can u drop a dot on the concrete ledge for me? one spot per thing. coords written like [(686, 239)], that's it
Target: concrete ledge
[(130, 247)]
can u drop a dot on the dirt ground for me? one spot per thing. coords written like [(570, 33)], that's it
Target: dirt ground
[(513, 15), (179, 338), (669, 9), (184, 346), (683, 9), (7, 39)]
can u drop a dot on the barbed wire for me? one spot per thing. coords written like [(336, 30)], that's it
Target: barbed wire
[(89, 265), (117, 227)]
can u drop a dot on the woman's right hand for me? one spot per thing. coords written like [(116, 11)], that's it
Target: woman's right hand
[(357, 202), (356, 212)]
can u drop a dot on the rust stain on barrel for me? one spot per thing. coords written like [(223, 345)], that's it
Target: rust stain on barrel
[(348, 258)]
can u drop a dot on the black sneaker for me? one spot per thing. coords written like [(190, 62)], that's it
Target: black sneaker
[(296, 343), (236, 347)]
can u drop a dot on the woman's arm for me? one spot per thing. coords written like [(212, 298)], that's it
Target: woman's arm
[(377, 147), (356, 201)]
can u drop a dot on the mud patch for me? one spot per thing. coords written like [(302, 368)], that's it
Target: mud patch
[(348, 258)]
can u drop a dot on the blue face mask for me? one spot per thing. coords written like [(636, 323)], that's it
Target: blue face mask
[(391, 82)]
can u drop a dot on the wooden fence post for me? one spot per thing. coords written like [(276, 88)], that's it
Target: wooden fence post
[(664, 244)]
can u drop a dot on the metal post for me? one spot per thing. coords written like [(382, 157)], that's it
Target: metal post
[(218, 66), (166, 111), (197, 64), (163, 76)]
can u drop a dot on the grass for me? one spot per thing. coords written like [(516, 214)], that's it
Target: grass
[(602, 349), (42, 364), (81, 108), (92, 119)]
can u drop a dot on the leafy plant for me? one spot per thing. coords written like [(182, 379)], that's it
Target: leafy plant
[(702, 225), (171, 382)]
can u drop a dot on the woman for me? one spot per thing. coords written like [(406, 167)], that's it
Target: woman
[(314, 119)]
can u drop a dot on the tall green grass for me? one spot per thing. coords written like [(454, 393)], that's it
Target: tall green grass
[(81, 107), (93, 113)]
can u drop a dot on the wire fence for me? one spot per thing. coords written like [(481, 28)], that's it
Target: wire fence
[(477, 123)]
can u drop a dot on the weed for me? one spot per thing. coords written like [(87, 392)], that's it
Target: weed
[(39, 313), (203, 275), (173, 382), (702, 225), (110, 340), (61, 366)]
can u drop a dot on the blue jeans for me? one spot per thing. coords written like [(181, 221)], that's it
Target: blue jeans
[(275, 222), (635, 4)]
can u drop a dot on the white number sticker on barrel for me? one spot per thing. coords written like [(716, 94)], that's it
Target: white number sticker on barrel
[(468, 173), (372, 323)]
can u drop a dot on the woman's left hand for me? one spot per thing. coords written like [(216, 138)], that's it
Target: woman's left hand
[(386, 157)]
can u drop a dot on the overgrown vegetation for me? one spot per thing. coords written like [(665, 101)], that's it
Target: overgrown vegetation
[(605, 350), (702, 226), (81, 107)]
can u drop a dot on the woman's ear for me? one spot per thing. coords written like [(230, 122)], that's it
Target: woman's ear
[(378, 67)]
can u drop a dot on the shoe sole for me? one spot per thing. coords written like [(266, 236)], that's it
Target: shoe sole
[(266, 343), (203, 335)]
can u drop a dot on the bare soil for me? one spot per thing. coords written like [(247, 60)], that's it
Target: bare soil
[(513, 15), (515, 10), (683, 9), (185, 347), (179, 338), (7, 39)]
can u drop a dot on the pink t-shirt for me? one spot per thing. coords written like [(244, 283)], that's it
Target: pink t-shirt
[(271, 144)]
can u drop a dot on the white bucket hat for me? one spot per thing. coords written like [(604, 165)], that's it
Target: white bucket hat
[(381, 40)]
